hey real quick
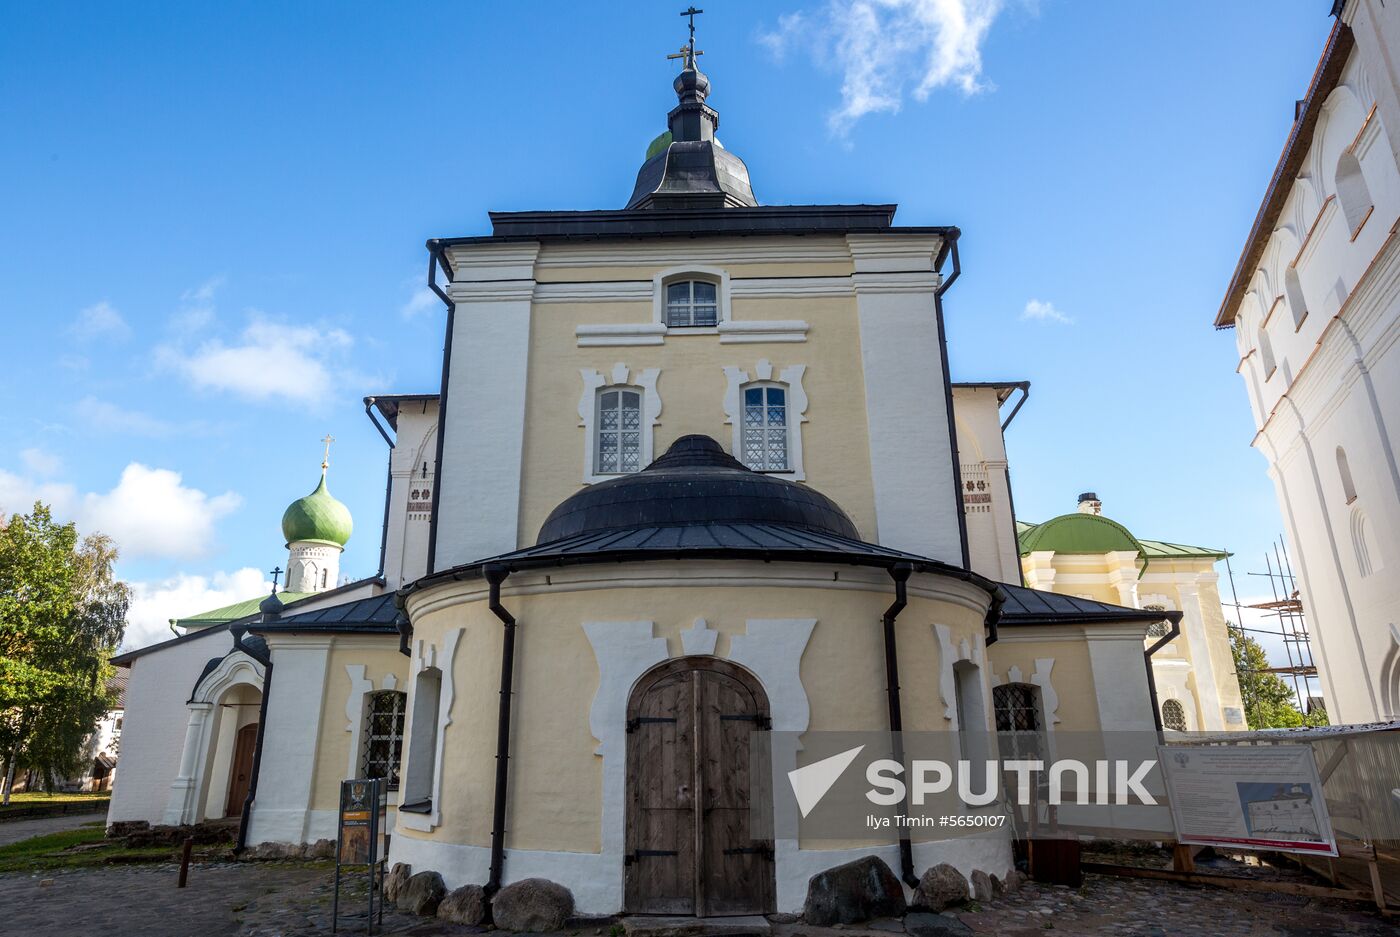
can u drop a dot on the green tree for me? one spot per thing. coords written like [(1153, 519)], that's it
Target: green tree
[(62, 615), (1269, 702)]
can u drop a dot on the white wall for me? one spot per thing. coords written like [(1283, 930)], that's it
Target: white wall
[(153, 724), (991, 529), (412, 491)]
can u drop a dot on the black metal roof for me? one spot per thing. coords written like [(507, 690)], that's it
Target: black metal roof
[(1033, 607), (696, 483), (391, 404), (374, 614)]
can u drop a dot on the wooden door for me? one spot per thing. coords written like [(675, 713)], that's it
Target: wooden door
[(691, 845), (241, 771)]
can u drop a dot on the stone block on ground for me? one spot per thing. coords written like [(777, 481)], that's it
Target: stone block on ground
[(940, 887), (854, 892), (465, 905), (981, 885), (924, 924), (422, 894), (532, 905), (395, 880)]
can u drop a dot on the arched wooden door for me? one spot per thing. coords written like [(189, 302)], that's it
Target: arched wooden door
[(241, 769), (694, 846)]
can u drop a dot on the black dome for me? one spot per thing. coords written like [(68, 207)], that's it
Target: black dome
[(695, 483)]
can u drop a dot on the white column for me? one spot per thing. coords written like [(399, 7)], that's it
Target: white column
[(281, 809), (184, 789), (917, 505), (1193, 626), (484, 424)]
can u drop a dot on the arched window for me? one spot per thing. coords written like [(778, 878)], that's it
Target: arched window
[(422, 747), (382, 748), (1173, 715), (1266, 353), (692, 303), (1352, 192), (1293, 286), (765, 435), (619, 439), (325, 577), (1019, 727), (1344, 471)]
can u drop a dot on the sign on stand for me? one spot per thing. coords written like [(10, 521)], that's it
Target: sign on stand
[(1248, 797), (359, 842)]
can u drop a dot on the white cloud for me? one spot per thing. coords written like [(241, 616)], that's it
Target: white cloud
[(150, 513), (196, 312), (101, 321), (423, 300), (41, 461), (154, 604), (270, 361), (1041, 311), (18, 494), (881, 47), (108, 417), (203, 295)]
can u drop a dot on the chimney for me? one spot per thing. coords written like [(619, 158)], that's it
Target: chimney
[(1089, 503)]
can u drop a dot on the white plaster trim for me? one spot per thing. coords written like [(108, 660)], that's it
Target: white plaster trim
[(948, 655), (626, 333), (429, 655), (658, 294), (791, 287), (753, 331), (593, 291), (700, 638), (356, 710), (187, 790), (594, 382), (1049, 698), (736, 379)]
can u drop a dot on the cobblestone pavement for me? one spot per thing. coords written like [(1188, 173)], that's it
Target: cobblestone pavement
[(13, 831), (294, 900)]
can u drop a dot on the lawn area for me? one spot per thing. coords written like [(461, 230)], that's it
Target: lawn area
[(27, 799), (83, 847)]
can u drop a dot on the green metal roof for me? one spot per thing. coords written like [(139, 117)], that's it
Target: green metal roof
[(233, 612), (318, 517), (1079, 533), (1151, 549)]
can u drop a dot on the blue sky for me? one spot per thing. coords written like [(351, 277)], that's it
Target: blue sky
[(211, 241)]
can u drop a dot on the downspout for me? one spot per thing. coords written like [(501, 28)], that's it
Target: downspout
[(388, 486), (948, 394), (271, 608), (900, 574), (1025, 388), (992, 622), (1170, 636), (436, 256), (495, 575)]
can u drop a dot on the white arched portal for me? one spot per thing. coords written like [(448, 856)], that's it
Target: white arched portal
[(216, 709)]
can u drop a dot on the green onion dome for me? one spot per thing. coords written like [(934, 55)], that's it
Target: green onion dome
[(318, 517)]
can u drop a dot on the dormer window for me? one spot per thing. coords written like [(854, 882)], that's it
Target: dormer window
[(691, 303)]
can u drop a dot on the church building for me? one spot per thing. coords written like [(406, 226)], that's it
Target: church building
[(696, 469)]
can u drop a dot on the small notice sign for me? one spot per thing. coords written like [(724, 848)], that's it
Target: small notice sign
[(1248, 797), (359, 815)]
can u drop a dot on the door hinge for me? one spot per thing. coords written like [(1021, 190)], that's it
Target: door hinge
[(760, 720), (636, 854), (636, 721), (763, 852)]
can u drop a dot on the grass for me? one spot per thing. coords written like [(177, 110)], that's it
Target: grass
[(27, 799), (44, 853)]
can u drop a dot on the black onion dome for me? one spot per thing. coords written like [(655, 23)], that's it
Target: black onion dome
[(694, 484)]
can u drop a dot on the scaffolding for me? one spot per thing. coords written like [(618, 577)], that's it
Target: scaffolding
[(1283, 621)]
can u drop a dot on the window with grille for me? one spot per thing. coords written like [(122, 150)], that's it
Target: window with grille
[(383, 740), (1018, 720), (1158, 629), (1173, 715), (765, 429), (619, 431), (692, 303)]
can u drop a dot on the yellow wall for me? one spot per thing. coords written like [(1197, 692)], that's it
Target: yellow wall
[(556, 777), (1072, 675)]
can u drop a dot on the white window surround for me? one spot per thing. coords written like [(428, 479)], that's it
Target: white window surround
[(621, 376), (656, 331), (1049, 699), (790, 377), (188, 789), (357, 710), (426, 655)]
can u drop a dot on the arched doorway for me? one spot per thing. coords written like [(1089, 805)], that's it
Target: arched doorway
[(694, 846)]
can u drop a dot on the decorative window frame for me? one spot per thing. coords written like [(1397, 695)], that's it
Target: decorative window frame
[(594, 382), (716, 275), (429, 655), (736, 379), (357, 712)]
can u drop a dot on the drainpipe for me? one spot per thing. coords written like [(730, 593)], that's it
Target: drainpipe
[(388, 483), (900, 574), (992, 621), (495, 575), (1170, 636), (271, 609), (948, 394), (437, 255), (1025, 388)]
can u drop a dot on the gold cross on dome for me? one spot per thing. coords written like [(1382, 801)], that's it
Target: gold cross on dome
[(326, 459)]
